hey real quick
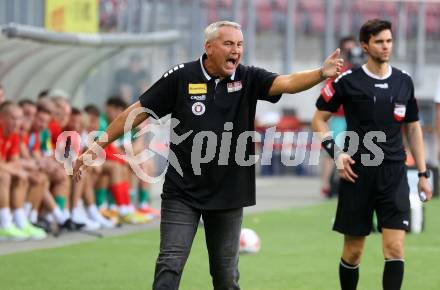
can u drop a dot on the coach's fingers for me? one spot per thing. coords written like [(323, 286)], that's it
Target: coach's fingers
[(77, 175), (77, 169), (335, 54), (340, 63)]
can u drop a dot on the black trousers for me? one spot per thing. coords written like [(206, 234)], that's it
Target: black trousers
[(178, 227)]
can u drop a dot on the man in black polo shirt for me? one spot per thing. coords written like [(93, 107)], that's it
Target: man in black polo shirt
[(378, 100), (214, 100)]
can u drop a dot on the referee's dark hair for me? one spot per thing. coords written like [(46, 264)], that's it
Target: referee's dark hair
[(373, 27)]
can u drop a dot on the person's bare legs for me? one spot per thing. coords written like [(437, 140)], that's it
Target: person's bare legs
[(39, 184), (5, 212), (19, 188), (5, 181), (90, 205), (60, 187)]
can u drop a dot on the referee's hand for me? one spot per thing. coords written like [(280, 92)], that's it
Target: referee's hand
[(343, 164), (424, 186)]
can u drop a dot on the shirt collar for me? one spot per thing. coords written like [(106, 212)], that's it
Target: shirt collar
[(374, 76), (205, 73)]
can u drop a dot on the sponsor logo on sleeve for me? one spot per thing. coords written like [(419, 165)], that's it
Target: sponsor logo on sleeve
[(328, 92)]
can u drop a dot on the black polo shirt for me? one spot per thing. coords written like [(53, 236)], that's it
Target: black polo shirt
[(202, 103), (372, 103)]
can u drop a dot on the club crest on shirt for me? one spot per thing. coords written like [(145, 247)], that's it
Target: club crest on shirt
[(234, 87), (198, 108), (399, 112)]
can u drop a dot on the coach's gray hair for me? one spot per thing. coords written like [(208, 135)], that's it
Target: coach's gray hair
[(211, 31)]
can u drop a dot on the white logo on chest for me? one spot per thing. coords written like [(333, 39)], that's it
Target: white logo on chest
[(198, 98), (381, 86)]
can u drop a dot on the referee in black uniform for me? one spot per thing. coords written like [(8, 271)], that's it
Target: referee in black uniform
[(376, 98), (213, 94)]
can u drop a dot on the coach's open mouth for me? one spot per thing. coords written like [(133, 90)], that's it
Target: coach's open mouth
[(231, 63)]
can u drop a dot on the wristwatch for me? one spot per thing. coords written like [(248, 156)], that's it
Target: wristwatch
[(423, 174)]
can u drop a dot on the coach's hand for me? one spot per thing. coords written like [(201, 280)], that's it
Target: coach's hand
[(332, 65), (343, 164), (424, 186), (78, 168)]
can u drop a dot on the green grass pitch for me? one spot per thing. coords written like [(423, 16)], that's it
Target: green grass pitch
[(299, 251)]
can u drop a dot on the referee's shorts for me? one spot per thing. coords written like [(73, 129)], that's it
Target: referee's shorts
[(382, 189)]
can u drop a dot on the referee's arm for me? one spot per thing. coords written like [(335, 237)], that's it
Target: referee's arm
[(415, 140), (319, 123), (343, 161), (304, 80)]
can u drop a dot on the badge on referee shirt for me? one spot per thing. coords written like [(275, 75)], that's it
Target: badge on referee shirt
[(198, 108), (399, 112)]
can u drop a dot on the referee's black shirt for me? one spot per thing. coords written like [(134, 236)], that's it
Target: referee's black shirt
[(203, 103), (373, 104)]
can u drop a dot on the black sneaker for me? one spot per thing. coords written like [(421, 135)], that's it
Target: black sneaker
[(44, 225), (71, 226)]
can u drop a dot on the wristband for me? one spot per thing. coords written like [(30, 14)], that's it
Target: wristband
[(321, 74), (330, 146)]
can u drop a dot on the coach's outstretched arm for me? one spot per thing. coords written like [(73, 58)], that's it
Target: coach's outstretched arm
[(114, 131), (304, 80)]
